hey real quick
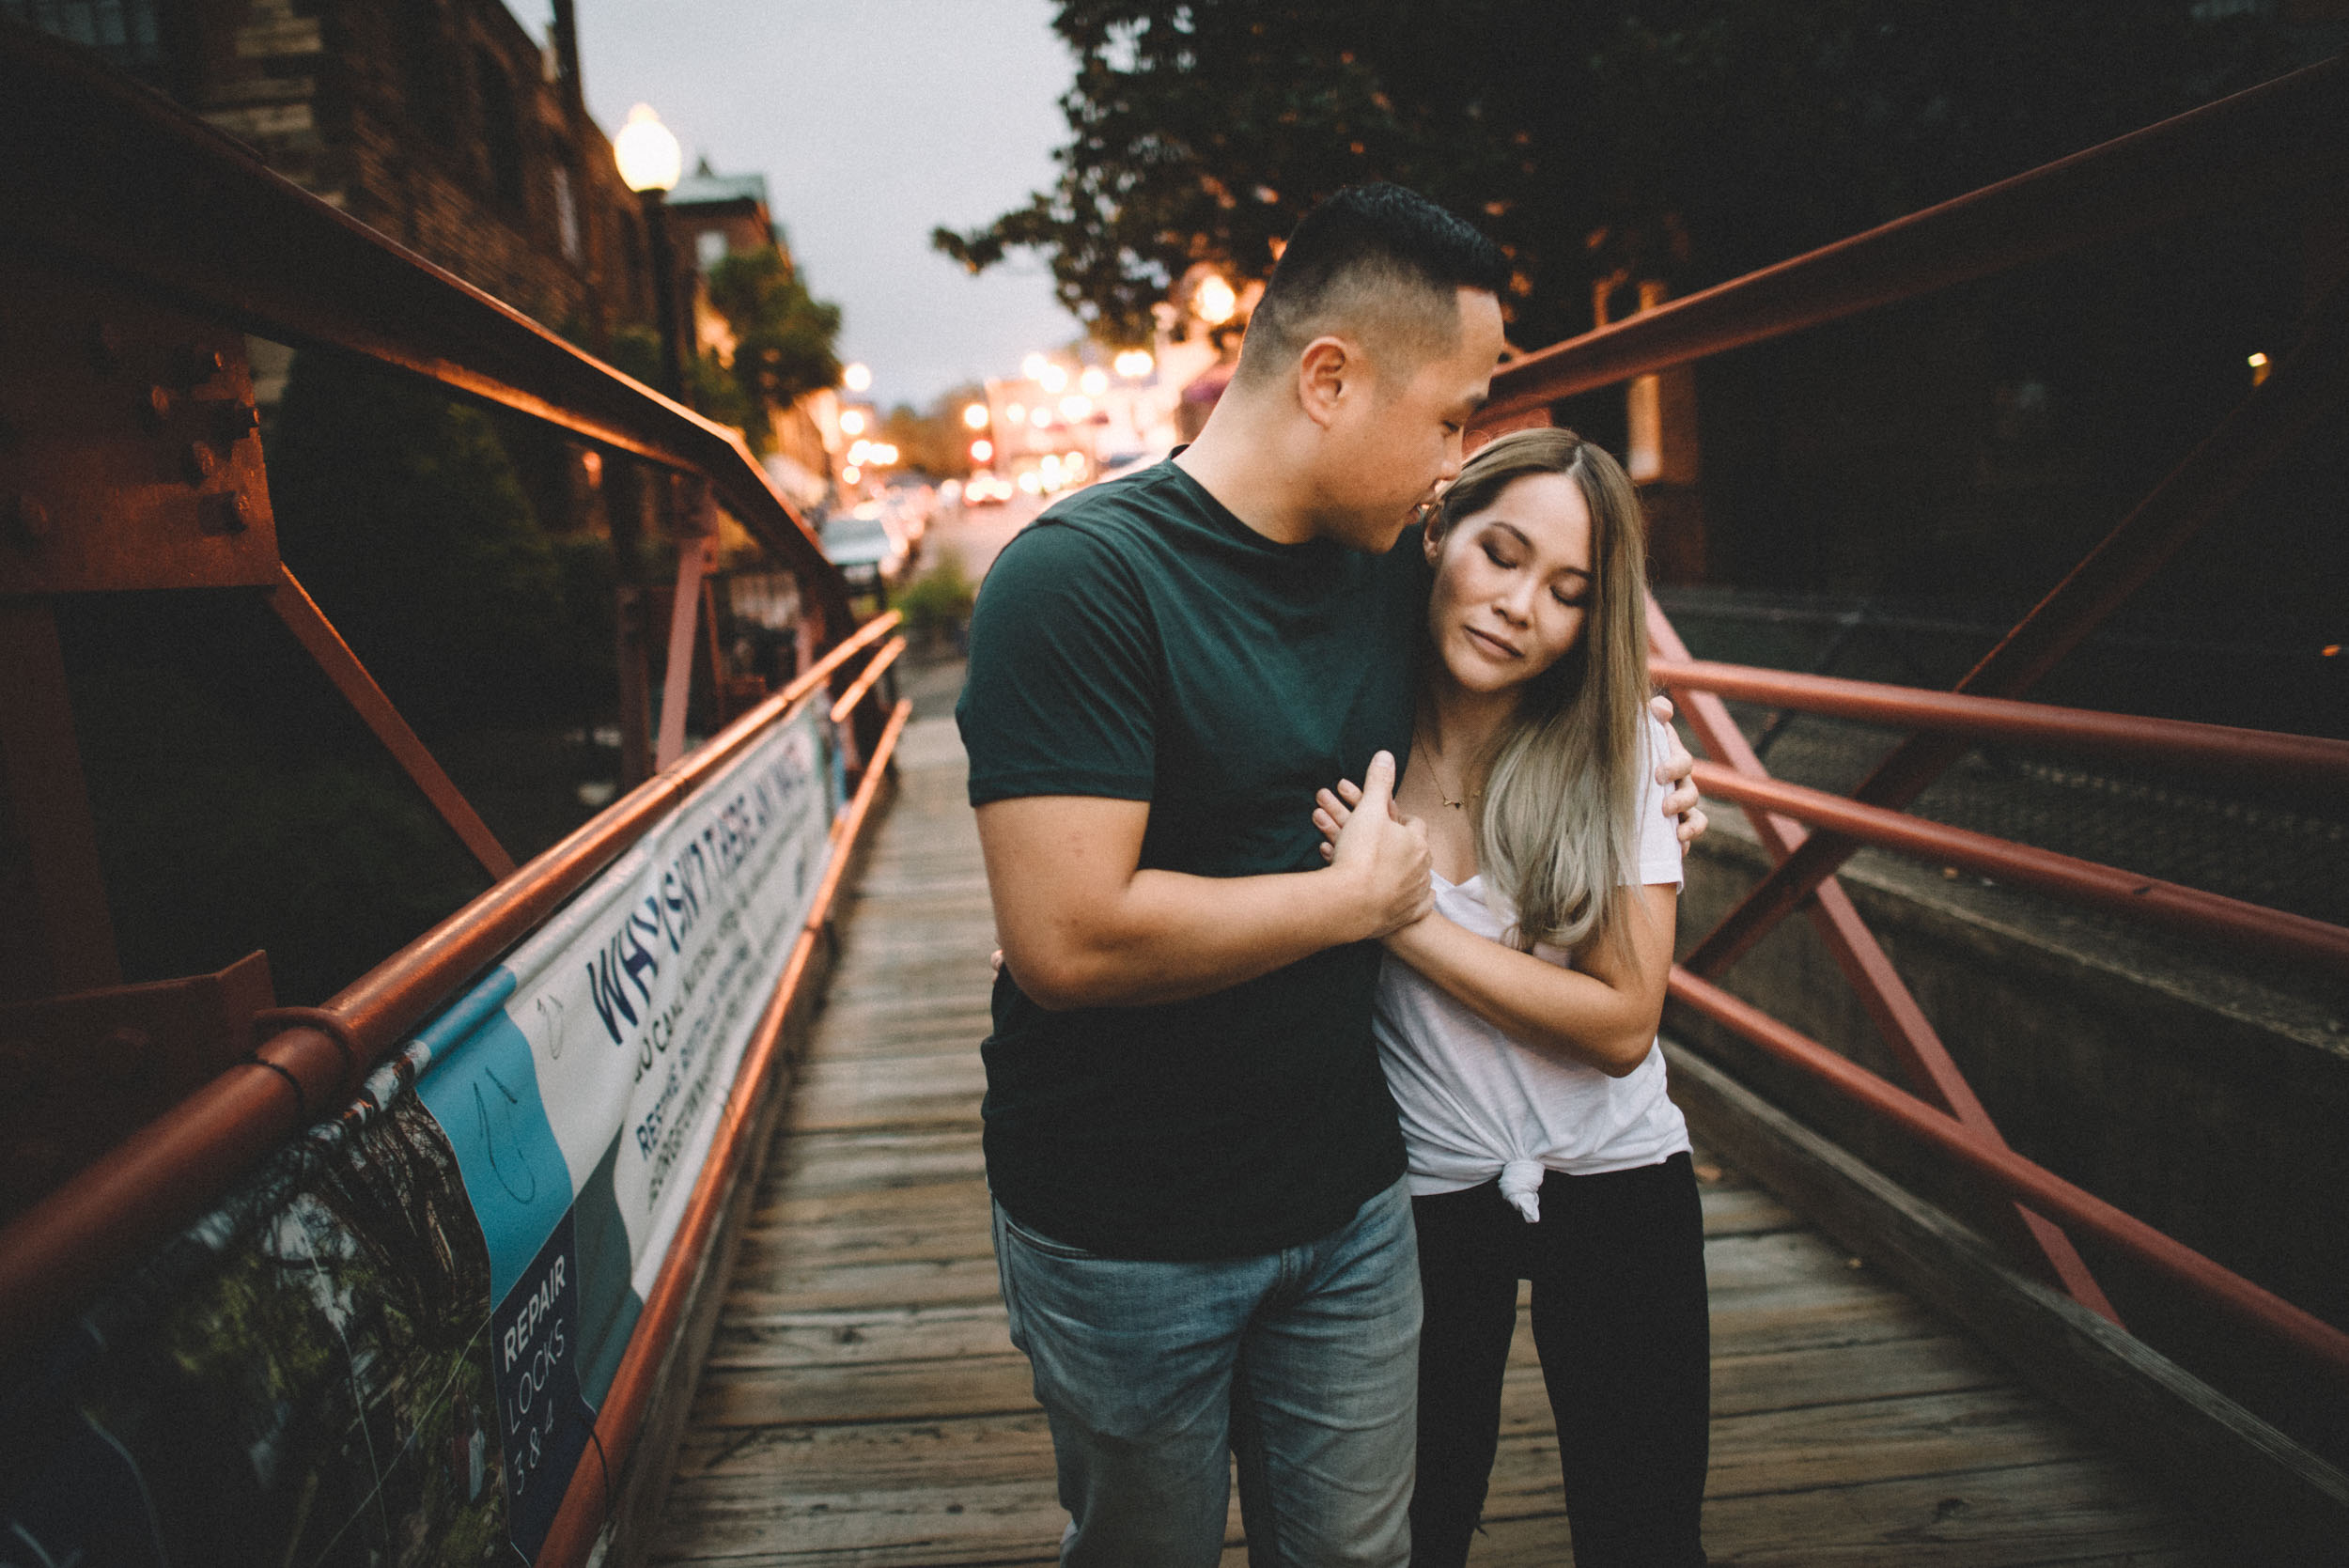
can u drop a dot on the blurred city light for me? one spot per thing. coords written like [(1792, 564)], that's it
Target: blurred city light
[(1134, 364), (982, 449), (1051, 379), (649, 155), (1075, 406), (1215, 302), (2259, 368), (852, 473), (852, 422), (1094, 383), (1039, 416), (857, 451), (974, 415), (856, 377), (1015, 412), (1033, 366)]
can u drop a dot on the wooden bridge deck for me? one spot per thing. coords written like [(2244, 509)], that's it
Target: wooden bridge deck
[(863, 1406)]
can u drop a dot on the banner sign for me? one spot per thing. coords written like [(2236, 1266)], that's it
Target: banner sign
[(389, 1344)]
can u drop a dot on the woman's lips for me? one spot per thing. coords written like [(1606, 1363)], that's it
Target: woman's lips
[(1493, 645)]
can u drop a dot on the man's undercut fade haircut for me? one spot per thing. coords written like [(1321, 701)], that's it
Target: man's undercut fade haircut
[(1376, 263)]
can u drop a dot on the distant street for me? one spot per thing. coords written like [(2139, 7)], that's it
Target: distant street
[(976, 534)]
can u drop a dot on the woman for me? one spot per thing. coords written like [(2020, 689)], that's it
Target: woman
[(1518, 1022)]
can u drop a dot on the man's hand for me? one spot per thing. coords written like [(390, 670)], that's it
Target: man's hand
[(1680, 803), (1385, 853)]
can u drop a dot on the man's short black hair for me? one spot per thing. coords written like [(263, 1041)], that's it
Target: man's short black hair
[(1375, 260)]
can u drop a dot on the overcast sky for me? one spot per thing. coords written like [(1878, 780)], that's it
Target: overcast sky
[(873, 120)]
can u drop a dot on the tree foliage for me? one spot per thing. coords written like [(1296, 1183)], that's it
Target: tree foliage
[(782, 340), (1685, 139)]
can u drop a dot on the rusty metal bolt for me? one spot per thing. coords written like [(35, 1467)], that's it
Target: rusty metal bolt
[(28, 521), (228, 513), (199, 462)]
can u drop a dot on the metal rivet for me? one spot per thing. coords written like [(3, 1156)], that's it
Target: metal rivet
[(227, 514), (199, 462)]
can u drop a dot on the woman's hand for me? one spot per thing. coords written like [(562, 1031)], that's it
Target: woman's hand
[(1680, 802)]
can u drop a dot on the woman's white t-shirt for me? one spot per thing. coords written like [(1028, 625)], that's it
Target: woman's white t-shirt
[(1475, 1104)]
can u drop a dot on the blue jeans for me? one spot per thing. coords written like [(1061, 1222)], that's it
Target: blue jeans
[(1303, 1363)]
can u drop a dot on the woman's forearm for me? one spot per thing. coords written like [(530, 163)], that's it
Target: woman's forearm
[(1603, 1022)]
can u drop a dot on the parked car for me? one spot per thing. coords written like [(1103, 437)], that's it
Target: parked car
[(868, 552)]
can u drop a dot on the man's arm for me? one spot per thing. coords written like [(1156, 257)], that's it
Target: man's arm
[(1083, 926)]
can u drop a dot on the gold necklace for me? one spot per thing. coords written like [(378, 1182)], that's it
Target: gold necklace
[(1436, 779)]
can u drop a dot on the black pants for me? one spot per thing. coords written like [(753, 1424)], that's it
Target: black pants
[(1617, 1263)]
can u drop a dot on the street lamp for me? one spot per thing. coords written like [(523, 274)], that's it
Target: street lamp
[(974, 415), (856, 377), (650, 163)]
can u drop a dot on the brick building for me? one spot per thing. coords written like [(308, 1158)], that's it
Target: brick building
[(442, 123)]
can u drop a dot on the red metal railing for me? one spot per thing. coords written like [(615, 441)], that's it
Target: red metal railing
[(2273, 138), (115, 183)]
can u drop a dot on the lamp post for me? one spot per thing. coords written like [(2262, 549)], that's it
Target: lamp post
[(650, 163)]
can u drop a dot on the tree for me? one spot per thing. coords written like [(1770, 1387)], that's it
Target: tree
[(783, 341), (1683, 139)]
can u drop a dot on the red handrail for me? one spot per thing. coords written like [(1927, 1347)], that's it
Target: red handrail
[(583, 1515), (2023, 1178), (2254, 926), (56, 1252), (2297, 760), (2278, 134)]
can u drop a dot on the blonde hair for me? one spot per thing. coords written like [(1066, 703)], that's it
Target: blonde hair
[(1557, 830)]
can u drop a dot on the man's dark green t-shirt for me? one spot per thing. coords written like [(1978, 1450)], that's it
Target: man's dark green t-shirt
[(1139, 642)]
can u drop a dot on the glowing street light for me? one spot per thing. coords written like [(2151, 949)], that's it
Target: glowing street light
[(1094, 383), (974, 415), (1215, 302), (852, 475), (649, 155), (1051, 379), (1075, 406), (1015, 412), (852, 422), (856, 377), (1033, 366), (1134, 364), (982, 450)]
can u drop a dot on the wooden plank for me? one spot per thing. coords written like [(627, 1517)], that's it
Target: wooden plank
[(2267, 1487), (1993, 1518)]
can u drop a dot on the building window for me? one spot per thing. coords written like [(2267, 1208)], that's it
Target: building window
[(709, 247), (567, 216), (501, 132), (127, 32)]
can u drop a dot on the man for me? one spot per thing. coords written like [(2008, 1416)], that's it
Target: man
[(1204, 1237)]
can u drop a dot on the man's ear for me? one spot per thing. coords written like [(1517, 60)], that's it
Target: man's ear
[(1323, 371), (1434, 527)]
